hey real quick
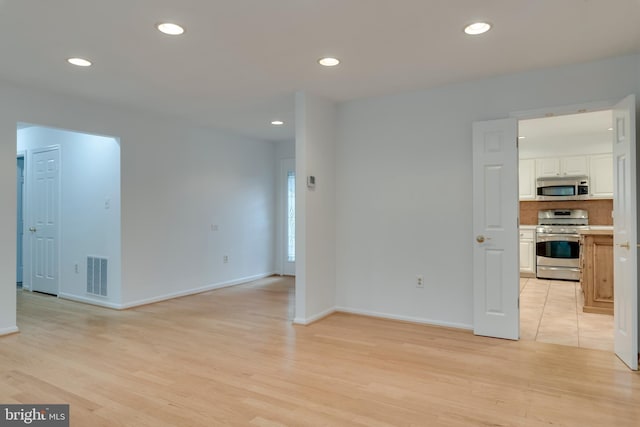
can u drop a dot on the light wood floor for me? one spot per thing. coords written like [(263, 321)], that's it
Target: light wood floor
[(232, 357)]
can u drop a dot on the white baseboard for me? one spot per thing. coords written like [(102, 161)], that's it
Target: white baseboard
[(8, 331), (107, 304), (404, 318), (314, 318), (194, 291), (89, 300)]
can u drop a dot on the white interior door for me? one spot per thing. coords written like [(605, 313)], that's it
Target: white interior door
[(288, 218), (495, 227), (625, 279), (45, 213)]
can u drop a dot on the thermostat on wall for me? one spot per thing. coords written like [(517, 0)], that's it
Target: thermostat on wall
[(311, 182)]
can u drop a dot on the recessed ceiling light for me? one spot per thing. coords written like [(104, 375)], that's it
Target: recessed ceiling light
[(170, 28), (610, 129), (521, 137), (277, 122), (477, 28), (80, 62), (328, 62)]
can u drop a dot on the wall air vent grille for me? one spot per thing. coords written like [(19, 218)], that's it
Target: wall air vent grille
[(97, 276)]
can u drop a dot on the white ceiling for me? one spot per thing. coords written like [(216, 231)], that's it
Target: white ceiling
[(598, 122), (573, 134), (240, 61)]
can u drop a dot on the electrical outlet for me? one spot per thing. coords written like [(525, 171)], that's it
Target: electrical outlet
[(225, 259), (77, 269), (419, 281)]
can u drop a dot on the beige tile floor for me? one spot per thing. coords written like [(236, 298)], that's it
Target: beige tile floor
[(551, 311)]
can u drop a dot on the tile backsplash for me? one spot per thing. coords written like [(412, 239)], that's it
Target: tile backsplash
[(599, 210)]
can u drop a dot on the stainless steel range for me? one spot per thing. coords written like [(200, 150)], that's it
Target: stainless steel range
[(558, 243)]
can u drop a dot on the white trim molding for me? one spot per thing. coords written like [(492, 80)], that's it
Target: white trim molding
[(89, 300), (194, 291), (562, 110), (404, 318), (314, 318), (165, 297), (9, 331)]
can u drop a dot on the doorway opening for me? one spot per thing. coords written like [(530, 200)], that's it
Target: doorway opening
[(559, 304), (68, 242), (287, 250)]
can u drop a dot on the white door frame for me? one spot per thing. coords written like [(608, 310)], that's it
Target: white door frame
[(20, 252), (26, 240)]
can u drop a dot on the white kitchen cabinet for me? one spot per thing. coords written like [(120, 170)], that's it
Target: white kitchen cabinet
[(562, 166), (527, 179), (601, 178), (527, 252), (548, 167), (577, 165)]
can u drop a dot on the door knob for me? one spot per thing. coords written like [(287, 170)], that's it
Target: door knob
[(624, 245), (32, 229), (480, 239)]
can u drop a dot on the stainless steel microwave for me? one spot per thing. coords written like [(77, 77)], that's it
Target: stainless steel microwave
[(563, 188)]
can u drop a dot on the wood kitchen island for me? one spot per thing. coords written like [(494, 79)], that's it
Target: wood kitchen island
[(596, 270)]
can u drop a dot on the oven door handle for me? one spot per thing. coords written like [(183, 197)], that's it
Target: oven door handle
[(549, 237)]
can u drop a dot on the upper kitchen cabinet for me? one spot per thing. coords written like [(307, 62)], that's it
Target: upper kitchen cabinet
[(598, 167), (562, 166), (527, 179), (601, 178), (567, 145)]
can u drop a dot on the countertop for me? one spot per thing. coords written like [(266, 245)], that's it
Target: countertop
[(593, 229), (603, 230), (528, 227)]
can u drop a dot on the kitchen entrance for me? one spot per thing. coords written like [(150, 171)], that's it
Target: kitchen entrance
[(566, 230), (495, 204)]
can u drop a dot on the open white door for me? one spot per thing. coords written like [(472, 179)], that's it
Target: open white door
[(625, 250), (495, 229)]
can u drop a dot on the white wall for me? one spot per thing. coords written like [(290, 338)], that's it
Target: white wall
[(176, 181), (8, 224), (178, 184), (404, 193), (316, 208), (286, 149), (90, 174)]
